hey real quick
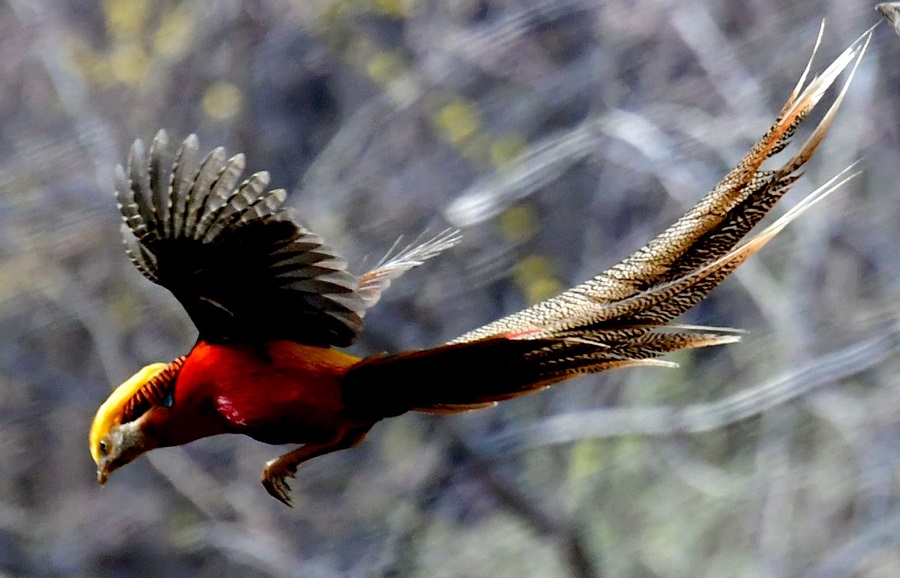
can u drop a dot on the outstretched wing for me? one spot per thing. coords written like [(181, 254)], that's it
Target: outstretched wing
[(231, 253)]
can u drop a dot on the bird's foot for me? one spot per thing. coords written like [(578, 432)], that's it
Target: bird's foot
[(275, 480), (283, 467)]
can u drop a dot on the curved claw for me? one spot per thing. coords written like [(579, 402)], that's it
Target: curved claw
[(278, 470), (275, 481)]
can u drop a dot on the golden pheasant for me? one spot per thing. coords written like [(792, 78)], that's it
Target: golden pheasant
[(272, 302)]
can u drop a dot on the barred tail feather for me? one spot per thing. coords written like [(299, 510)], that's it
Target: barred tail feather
[(622, 317), (709, 230), (465, 376)]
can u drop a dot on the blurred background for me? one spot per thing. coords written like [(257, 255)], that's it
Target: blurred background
[(560, 135)]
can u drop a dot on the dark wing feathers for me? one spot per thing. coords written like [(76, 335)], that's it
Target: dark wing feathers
[(233, 256), (184, 173)]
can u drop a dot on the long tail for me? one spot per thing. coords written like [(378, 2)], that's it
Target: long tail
[(621, 317)]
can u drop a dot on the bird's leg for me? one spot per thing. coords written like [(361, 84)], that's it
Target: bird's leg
[(285, 466)]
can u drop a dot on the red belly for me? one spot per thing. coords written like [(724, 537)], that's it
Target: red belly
[(278, 392)]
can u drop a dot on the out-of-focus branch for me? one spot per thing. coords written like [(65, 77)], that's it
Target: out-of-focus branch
[(266, 555), (883, 534), (528, 507)]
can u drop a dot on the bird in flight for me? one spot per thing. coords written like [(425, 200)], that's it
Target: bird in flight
[(273, 304)]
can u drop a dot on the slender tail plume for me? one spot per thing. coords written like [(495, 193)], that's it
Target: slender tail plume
[(397, 261), (622, 317)]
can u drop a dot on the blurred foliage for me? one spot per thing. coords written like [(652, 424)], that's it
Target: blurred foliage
[(562, 134)]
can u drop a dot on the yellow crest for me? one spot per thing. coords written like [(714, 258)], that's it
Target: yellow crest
[(110, 413)]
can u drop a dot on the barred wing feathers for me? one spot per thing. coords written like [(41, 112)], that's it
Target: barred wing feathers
[(231, 253)]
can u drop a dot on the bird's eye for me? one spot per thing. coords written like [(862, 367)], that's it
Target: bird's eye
[(103, 447)]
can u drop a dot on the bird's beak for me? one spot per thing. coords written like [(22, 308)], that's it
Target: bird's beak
[(103, 472), (126, 442)]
